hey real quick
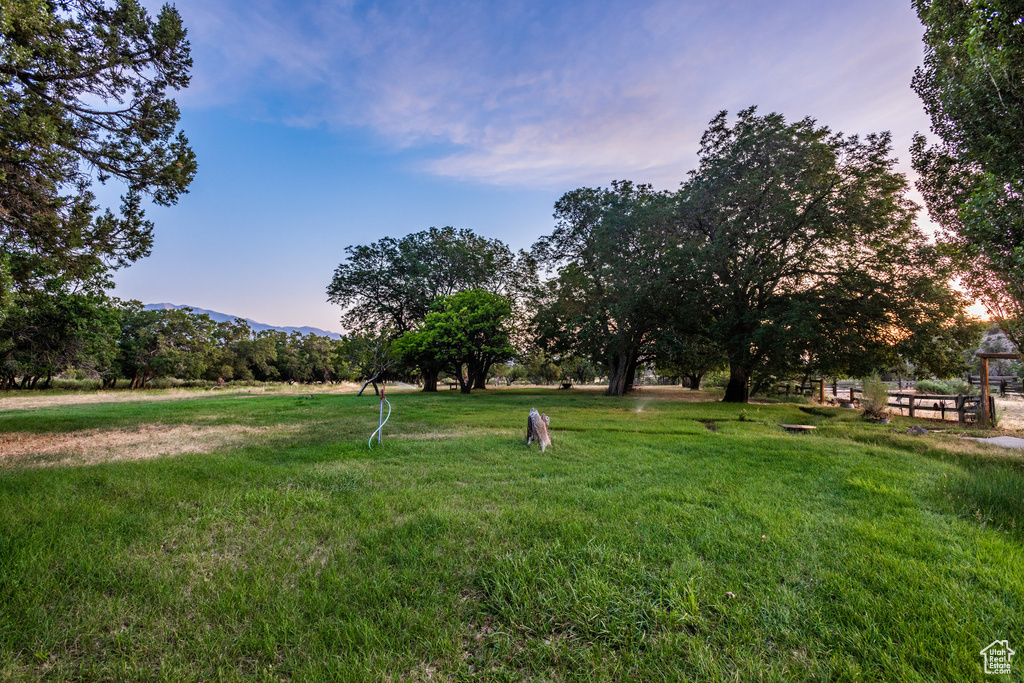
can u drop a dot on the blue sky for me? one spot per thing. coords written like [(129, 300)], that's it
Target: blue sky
[(323, 124)]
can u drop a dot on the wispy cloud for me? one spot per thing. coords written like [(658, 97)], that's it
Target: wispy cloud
[(540, 93)]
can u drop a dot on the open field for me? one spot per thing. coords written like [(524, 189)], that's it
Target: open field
[(255, 537)]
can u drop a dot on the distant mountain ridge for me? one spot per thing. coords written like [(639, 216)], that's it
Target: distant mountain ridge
[(257, 327)]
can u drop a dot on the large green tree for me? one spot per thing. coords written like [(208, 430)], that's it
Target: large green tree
[(53, 331), (392, 283), (163, 343), (607, 300), (465, 334), (972, 86), (798, 248), (83, 99)]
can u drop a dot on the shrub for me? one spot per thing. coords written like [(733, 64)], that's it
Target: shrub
[(875, 398), (958, 386), (929, 386), (719, 380), (950, 387)]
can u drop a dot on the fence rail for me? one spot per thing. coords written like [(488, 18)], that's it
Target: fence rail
[(966, 408), (962, 408), (1007, 385)]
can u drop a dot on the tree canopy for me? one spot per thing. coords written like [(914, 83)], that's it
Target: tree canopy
[(607, 301), (972, 86), (791, 249), (464, 333), (392, 283), (799, 247), (83, 99)]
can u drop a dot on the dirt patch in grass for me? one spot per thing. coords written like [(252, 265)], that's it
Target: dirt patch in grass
[(89, 447), (27, 400)]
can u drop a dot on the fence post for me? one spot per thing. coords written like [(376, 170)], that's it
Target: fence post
[(961, 401), (1002, 388), (821, 391), (985, 414), (911, 396), (852, 389)]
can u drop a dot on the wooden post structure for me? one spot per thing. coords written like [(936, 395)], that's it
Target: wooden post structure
[(986, 413), (911, 398), (985, 417), (821, 391)]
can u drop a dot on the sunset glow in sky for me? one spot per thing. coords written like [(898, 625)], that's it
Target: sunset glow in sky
[(323, 124)]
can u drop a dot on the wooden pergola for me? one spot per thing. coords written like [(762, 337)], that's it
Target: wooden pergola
[(986, 417)]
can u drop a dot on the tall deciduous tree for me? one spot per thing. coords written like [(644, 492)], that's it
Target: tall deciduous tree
[(608, 298), (799, 247), (392, 283), (83, 97), (465, 334), (53, 331), (163, 343), (972, 86)]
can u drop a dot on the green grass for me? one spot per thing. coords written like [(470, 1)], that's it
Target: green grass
[(454, 552)]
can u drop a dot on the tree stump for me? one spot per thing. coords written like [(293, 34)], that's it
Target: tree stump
[(537, 429)]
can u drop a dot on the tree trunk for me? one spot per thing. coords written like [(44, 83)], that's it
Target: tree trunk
[(739, 384), (621, 373), (430, 380), (695, 381), (616, 370), (480, 381), (630, 373)]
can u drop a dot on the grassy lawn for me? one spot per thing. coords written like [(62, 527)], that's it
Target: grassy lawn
[(656, 540)]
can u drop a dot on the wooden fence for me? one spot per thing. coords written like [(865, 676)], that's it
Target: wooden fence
[(965, 408), (1007, 385)]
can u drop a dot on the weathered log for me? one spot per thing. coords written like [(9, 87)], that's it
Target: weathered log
[(537, 429)]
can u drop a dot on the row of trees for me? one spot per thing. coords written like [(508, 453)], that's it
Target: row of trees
[(791, 249), (115, 341)]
